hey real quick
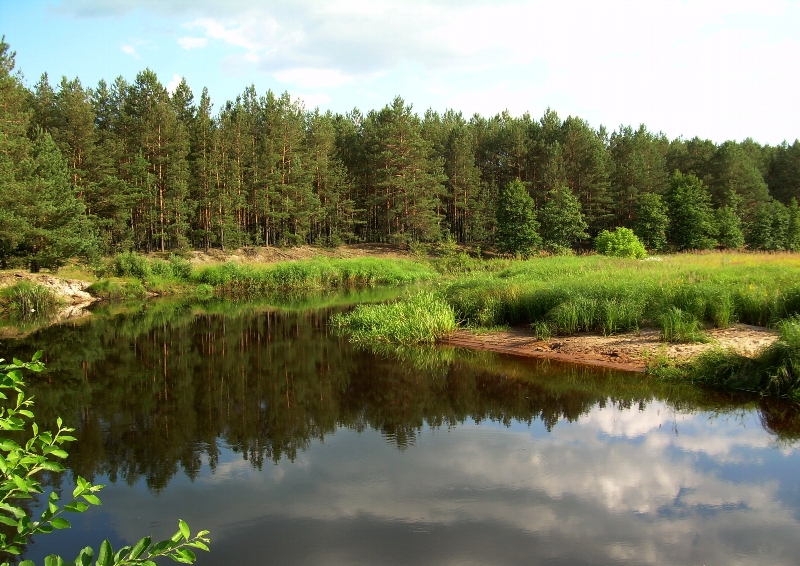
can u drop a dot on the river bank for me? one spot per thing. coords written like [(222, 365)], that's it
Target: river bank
[(629, 351)]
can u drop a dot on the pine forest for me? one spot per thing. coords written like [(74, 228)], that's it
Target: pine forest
[(90, 171)]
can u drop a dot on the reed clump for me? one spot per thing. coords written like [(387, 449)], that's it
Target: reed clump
[(423, 317), (28, 301)]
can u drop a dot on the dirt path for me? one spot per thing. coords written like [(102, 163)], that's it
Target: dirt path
[(628, 352)]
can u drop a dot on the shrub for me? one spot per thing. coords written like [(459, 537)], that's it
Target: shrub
[(131, 264), (622, 242)]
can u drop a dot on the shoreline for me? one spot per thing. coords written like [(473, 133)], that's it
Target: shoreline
[(625, 352)]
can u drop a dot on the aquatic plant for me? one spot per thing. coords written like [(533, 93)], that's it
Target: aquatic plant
[(423, 317), (29, 300), (775, 371)]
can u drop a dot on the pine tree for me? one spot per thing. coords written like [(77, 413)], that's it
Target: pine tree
[(692, 224), (768, 227), (409, 178), (562, 220), (55, 226), (650, 221), (517, 228)]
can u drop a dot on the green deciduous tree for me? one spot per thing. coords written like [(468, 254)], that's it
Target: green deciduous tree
[(768, 227), (517, 228), (729, 228)]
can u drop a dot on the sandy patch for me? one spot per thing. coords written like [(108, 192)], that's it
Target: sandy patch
[(628, 351)]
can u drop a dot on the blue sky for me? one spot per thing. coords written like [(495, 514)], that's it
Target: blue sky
[(714, 69)]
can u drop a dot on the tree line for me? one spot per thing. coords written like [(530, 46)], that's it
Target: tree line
[(132, 166)]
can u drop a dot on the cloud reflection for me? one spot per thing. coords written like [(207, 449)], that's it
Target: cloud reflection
[(618, 486)]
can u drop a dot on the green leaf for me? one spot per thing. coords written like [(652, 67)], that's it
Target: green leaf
[(106, 555), (93, 499), (198, 544), (184, 529), (21, 485), (60, 523), (188, 556), (54, 560), (140, 547), (58, 453), (7, 445), (76, 507), (44, 529), (8, 521), (16, 511), (37, 356), (27, 563), (122, 552), (85, 557), (160, 547)]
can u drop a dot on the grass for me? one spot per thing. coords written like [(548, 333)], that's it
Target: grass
[(27, 301), (773, 372), (235, 279), (422, 318), (596, 293)]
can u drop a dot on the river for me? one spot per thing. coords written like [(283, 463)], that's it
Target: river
[(293, 447)]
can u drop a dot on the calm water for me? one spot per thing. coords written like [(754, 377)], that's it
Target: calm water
[(292, 448)]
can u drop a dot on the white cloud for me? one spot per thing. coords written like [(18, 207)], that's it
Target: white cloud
[(312, 78), (312, 100), (190, 43), (173, 84), (715, 69), (130, 50)]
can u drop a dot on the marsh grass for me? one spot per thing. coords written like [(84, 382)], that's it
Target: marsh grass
[(680, 326), (421, 318), (28, 301)]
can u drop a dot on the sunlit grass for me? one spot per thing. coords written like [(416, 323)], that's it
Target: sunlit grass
[(423, 317)]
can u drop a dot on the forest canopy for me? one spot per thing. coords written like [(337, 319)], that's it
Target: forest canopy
[(131, 166)]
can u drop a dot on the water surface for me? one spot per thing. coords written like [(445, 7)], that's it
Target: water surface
[(292, 447)]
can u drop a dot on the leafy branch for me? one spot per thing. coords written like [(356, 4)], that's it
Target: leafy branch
[(20, 466)]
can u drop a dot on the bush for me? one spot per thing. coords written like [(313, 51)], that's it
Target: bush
[(131, 264), (622, 242)]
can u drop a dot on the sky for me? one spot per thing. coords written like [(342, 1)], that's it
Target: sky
[(714, 69)]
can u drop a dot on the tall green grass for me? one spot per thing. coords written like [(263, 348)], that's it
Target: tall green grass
[(564, 295), (27, 301), (422, 318), (235, 279)]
